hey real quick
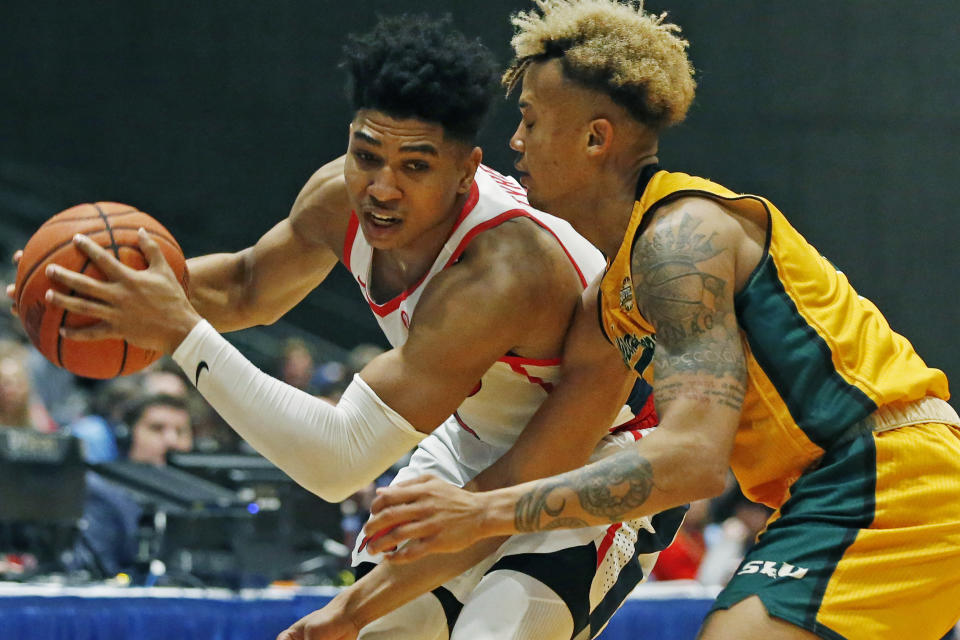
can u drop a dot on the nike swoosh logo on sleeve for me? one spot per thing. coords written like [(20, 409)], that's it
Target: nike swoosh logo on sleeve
[(200, 367)]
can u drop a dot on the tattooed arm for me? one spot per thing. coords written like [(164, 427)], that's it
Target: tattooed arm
[(686, 268)]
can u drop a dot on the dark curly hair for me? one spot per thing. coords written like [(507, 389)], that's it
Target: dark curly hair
[(414, 66)]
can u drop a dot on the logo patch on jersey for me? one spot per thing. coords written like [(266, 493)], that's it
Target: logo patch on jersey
[(771, 570), (630, 345), (626, 295)]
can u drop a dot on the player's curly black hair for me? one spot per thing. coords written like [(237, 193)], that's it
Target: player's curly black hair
[(414, 66)]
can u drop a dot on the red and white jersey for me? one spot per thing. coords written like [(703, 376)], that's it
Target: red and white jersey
[(509, 393)]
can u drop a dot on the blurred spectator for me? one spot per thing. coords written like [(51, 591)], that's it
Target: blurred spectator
[(158, 424), (108, 539), (332, 377), (61, 392), (57, 389), (166, 378), (19, 406), (97, 429), (360, 356), (297, 365), (738, 523), (681, 560)]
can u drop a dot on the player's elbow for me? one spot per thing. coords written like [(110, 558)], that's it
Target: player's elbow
[(701, 474), (332, 487), (249, 300), (335, 494), (259, 315), (711, 481)]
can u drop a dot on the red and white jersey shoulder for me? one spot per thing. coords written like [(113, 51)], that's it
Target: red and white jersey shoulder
[(510, 391)]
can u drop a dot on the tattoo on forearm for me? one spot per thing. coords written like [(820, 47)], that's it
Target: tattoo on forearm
[(610, 488), (536, 502), (616, 485)]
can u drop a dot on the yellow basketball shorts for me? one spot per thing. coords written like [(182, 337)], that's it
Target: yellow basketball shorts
[(868, 544)]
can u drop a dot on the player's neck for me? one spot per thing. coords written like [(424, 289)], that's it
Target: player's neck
[(616, 208), (603, 211)]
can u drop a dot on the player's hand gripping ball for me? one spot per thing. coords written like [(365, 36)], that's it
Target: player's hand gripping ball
[(113, 226)]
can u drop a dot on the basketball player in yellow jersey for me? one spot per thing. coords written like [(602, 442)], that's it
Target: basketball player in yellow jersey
[(763, 359)]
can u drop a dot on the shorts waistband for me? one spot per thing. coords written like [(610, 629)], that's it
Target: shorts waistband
[(894, 416), (904, 414)]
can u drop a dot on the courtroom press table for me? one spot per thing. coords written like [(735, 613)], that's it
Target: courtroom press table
[(655, 611)]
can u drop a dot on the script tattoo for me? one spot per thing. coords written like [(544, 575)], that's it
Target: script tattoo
[(610, 488)]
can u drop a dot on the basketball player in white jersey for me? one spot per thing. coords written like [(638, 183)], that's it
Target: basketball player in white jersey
[(475, 291)]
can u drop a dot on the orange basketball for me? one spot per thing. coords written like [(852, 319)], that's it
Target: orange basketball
[(113, 226)]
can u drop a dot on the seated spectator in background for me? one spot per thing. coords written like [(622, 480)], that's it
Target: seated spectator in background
[(158, 424), (735, 524), (97, 429), (62, 394), (108, 541), (19, 406), (164, 377), (297, 366)]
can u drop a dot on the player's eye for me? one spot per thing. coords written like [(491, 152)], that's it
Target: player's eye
[(417, 165), (365, 157)]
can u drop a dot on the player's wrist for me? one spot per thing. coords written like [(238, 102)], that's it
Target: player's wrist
[(348, 608), (180, 328), (366, 600), (496, 512)]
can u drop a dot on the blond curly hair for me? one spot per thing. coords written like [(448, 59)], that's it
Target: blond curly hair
[(611, 46)]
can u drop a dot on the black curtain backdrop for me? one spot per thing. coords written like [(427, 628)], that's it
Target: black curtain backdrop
[(212, 115)]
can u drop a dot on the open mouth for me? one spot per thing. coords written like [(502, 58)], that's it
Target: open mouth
[(381, 220)]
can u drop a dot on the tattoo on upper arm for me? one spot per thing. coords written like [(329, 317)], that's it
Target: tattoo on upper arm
[(610, 488), (691, 309)]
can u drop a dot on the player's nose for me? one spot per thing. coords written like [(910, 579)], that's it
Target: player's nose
[(516, 140), (383, 186)]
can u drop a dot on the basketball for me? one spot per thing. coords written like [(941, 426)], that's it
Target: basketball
[(113, 226)]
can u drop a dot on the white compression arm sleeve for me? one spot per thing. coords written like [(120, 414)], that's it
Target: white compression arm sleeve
[(330, 450)]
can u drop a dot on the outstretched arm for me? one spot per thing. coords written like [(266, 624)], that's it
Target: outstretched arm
[(398, 397), (684, 270)]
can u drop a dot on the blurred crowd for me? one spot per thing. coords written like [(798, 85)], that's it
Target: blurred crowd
[(142, 418)]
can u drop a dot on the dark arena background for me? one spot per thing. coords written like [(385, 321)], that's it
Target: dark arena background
[(211, 115)]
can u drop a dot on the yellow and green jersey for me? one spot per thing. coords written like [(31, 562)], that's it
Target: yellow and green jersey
[(820, 358)]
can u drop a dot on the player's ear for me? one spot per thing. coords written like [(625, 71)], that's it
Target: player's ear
[(471, 163), (599, 137)]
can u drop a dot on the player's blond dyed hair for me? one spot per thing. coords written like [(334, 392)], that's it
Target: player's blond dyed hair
[(614, 47)]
